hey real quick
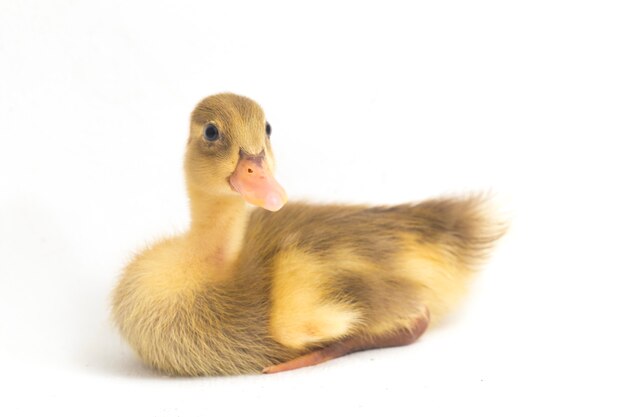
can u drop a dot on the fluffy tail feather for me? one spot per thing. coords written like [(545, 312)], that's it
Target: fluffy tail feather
[(455, 236), (469, 226)]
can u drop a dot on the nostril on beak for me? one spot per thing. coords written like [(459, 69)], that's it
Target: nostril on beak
[(250, 170)]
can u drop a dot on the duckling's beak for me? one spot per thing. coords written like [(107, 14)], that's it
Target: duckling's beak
[(256, 184)]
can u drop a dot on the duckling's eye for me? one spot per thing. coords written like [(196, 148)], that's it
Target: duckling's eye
[(268, 129), (211, 133)]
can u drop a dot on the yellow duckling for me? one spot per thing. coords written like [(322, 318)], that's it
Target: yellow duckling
[(246, 291)]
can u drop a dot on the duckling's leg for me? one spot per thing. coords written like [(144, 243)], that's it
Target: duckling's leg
[(356, 343)]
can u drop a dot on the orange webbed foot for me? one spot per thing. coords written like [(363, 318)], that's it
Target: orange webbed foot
[(356, 343)]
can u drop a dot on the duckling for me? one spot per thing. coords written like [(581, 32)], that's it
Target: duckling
[(269, 289)]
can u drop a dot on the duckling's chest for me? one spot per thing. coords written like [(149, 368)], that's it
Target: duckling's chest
[(179, 318)]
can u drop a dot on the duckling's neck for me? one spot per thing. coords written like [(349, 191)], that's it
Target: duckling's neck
[(218, 226)]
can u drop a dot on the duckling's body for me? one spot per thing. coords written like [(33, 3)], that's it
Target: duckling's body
[(247, 289)]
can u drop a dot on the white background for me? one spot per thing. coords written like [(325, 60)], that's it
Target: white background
[(378, 103)]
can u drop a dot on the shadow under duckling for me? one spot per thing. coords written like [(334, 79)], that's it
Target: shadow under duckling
[(273, 289)]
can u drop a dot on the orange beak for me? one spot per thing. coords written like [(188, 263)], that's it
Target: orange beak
[(256, 184)]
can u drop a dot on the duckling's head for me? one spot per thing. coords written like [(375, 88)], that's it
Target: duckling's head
[(229, 152)]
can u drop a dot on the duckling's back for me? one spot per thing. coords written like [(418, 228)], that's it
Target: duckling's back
[(341, 270)]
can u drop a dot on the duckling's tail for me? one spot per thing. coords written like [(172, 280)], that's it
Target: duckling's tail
[(455, 237), (468, 227)]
